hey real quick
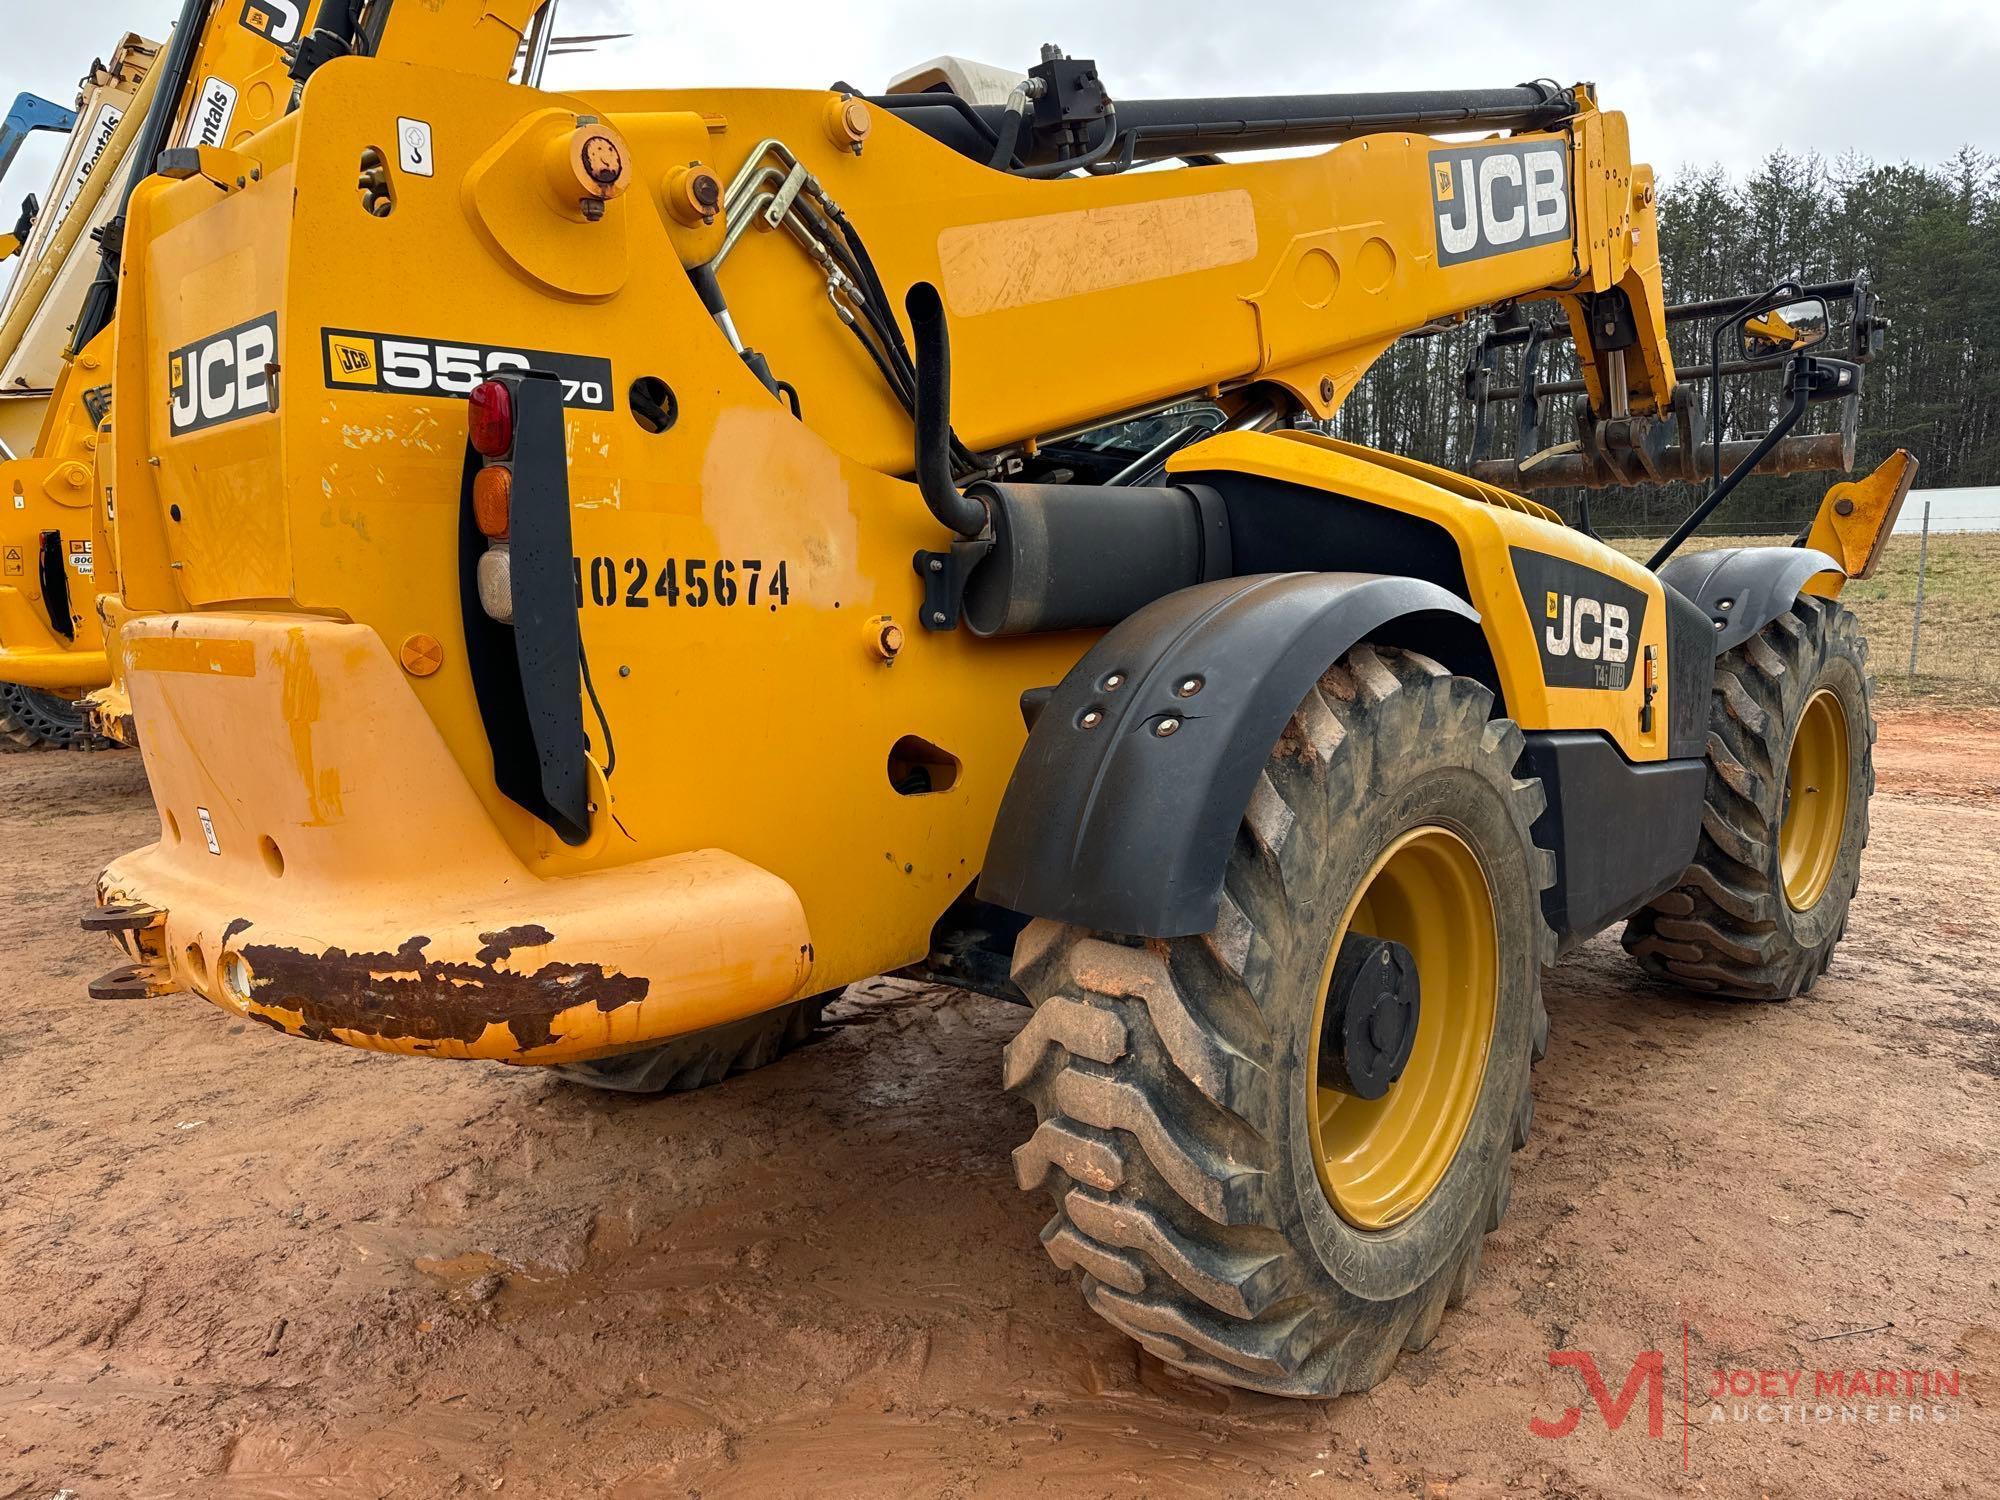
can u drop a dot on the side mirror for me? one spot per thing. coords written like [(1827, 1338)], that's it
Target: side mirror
[(1785, 329)]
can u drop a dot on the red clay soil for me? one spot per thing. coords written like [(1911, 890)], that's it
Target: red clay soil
[(233, 1264)]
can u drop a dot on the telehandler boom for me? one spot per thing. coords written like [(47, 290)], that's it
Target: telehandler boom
[(600, 573)]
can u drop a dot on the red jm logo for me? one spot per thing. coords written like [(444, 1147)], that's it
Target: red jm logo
[(1649, 1370)]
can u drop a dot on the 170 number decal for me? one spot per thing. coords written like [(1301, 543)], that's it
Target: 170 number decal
[(681, 582)]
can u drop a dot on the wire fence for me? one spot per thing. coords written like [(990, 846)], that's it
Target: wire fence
[(1930, 609)]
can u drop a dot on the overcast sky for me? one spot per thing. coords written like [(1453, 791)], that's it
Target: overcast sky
[(1702, 80)]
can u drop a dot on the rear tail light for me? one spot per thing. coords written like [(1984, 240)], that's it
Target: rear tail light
[(490, 419), (493, 501)]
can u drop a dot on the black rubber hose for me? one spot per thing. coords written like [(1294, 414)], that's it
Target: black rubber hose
[(960, 512), (1010, 137), (1095, 154), (883, 320)]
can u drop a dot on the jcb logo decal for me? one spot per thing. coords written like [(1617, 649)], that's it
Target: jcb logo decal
[(276, 20), (222, 377), (350, 360), (1489, 200), (1588, 623), (1589, 630)]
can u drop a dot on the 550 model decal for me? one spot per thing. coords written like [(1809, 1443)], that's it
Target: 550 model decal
[(435, 367)]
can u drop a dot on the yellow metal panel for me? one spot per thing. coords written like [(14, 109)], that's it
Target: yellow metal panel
[(54, 490), (307, 774), (1484, 532), (1014, 263), (1855, 518)]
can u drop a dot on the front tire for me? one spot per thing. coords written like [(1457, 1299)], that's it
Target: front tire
[(1202, 1194), (1790, 770)]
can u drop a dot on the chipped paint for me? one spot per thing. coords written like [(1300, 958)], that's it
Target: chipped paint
[(407, 996)]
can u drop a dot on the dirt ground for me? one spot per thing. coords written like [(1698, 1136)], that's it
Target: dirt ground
[(238, 1265)]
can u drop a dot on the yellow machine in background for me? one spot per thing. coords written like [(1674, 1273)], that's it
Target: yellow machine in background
[(51, 648), (229, 80), (597, 574)]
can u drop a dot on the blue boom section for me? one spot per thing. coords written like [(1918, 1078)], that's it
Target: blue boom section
[(30, 113)]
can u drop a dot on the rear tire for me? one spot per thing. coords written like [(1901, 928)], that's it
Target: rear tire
[(693, 1062), (1734, 928), (1174, 1081), (31, 719)]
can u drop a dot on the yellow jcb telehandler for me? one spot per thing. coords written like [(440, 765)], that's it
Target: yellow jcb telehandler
[(599, 573), (56, 557)]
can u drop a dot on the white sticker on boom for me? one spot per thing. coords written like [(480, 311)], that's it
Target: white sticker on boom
[(208, 830), (209, 124), (413, 143)]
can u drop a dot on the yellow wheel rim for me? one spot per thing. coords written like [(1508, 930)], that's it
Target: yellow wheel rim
[(1815, 800), (1378, 1159)]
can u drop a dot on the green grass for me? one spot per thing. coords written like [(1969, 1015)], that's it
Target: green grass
[(1958, 655)]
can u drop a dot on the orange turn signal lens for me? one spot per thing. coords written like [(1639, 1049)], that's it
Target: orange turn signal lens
[(493, 500)]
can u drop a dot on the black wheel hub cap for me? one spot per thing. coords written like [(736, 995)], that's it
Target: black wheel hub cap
[(1370, 1023)]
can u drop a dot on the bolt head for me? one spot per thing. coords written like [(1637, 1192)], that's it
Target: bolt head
[(1114, 682), (624, 671), (1326, 388), (1166, 727), (1188, 687), (1091, 718), (937, 617), (937, 565)]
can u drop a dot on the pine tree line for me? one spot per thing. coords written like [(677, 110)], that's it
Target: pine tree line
[(1928, 236)]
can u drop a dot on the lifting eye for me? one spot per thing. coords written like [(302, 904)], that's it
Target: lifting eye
[(377, 195)]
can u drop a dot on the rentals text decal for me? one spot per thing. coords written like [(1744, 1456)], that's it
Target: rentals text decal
[(1489, 200), (434, 367), (101, 130), (222, 377), (209, 124)]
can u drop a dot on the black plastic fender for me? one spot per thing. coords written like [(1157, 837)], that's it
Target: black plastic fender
[(1124, 804), (1743, 589)]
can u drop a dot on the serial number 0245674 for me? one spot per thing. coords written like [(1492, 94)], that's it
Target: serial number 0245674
[(681, 582)]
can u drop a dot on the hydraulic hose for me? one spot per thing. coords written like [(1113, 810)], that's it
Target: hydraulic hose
[(947, 502)]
